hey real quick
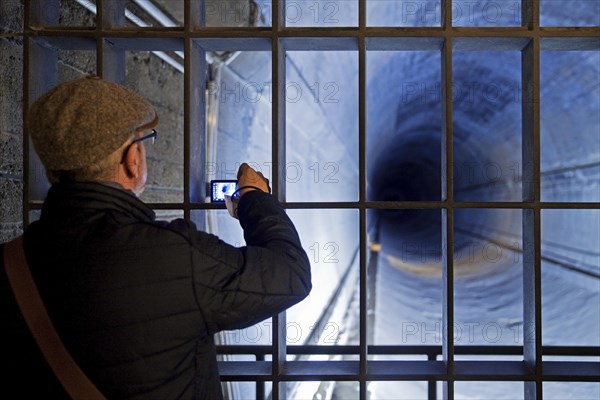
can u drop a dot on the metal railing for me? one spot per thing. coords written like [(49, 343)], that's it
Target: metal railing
[(431, 370)]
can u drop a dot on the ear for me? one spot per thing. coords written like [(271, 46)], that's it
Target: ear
[(132, 162)]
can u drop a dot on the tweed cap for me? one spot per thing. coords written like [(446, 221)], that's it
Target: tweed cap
[(81, 122)]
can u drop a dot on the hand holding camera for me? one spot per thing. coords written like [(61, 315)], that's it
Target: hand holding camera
[(248, 180)]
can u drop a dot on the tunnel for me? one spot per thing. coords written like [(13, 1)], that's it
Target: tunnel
[(404, 163), (404, 160)]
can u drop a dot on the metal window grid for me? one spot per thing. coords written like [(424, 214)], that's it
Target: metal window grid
[(110, 39)]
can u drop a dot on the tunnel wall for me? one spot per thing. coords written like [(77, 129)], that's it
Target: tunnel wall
[(321, 157)]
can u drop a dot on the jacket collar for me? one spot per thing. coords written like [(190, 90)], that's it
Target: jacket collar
[(94, 195)]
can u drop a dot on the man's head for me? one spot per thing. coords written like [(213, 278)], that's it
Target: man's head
[(83, 130)]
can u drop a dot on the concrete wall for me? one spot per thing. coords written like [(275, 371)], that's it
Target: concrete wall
[(145, 73), (11, 121)]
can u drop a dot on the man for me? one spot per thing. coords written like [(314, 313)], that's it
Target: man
[(137, 301)]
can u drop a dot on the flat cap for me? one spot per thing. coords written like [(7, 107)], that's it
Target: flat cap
[(81, 122)]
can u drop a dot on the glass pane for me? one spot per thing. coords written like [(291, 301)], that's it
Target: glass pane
[(237, 13), (264, 14), (490, 390), (572, 358), (570, 273), (322, 13), (162, 85), (325, 317), (404, 278), (169, 13), (571, 390), (62, 12), (404, 13), (238, 114), (569, 13), (487, 125), (322, 126), (491, 332), (570, 111), (323, 390), (346, 390), (34, 215), (404, 120), (257, 334), (488, 277), (245, 390), (486, 13), (75, 64), (66, 12), (11, 16), (168, 215), (398, 390)]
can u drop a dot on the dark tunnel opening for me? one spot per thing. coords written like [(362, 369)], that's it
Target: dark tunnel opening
[(410, 169), (405, 153), (407, 170)]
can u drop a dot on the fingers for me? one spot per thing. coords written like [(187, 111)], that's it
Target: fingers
[(263, 178), (242, 170), (247, 176)]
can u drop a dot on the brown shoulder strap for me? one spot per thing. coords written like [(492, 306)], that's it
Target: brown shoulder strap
[(28, 298)]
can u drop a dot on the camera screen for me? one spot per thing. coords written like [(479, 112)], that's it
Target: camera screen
[(220, 188)]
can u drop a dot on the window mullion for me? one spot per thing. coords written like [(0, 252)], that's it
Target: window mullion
[(448, 300), (447, 213), (278, 179), (195, 14), (362, 134), (531, 241), (194, 125)]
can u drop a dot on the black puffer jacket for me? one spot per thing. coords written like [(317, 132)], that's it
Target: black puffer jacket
[(136, 301)]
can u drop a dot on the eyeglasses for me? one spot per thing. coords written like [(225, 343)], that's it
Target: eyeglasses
[(152, 136)]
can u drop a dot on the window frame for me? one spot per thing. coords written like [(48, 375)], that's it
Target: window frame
[(110, 39)]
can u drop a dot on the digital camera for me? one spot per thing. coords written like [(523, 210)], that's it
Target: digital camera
[(220, 188)]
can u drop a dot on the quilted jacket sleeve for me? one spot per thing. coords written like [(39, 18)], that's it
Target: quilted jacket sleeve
[(237, 287)]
